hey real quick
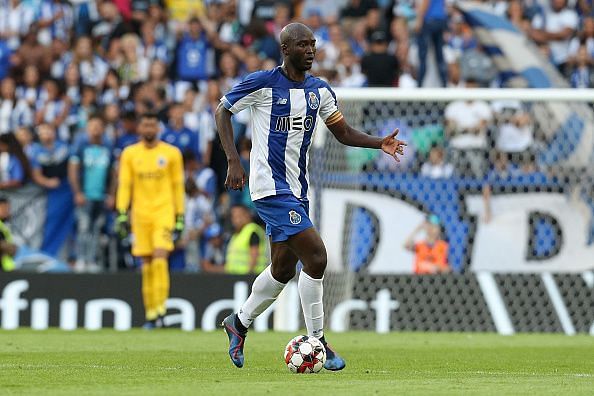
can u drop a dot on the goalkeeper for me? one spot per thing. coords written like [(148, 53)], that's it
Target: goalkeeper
[(150, 204)]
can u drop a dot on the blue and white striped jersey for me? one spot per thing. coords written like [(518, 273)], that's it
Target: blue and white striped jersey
[(283, 118)]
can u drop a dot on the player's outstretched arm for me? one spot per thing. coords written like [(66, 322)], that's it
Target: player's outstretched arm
[(235, 173), (349, 136)]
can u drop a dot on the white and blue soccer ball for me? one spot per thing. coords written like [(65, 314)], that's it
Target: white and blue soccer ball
[(305, 354)]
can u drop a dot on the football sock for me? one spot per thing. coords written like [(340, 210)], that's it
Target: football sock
[(161, 282), (148, 295), (311, 291), (264, 291)]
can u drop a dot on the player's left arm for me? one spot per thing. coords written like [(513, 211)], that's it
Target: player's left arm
[(349, 136)]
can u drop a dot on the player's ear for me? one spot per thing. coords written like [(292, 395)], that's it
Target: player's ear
[(285, 49)]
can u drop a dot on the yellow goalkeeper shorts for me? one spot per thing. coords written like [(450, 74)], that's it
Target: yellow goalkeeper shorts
[(147, 236)]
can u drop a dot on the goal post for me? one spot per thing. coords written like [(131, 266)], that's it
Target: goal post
[(514, 194)]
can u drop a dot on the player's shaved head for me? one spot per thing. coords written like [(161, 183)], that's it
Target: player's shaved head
[(298, 45), (293, 32)]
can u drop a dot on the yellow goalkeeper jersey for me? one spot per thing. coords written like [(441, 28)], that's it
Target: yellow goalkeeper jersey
[(151, 180)]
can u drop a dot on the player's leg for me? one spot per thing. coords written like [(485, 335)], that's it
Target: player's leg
[(142, 247), (309, 247), (163, 244), (265, 289), (148, 294), (161, 280)]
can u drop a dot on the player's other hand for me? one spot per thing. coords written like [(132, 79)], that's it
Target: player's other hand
[(122, 225), (235, 176), (178, 229), (393, 146)]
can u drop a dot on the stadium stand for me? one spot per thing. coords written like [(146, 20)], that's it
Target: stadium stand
[(61, 62)]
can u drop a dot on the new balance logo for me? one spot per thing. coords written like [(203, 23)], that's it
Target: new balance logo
[(281, 101)]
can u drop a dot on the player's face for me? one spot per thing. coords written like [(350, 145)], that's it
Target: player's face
[(148, 128), (302, 51)]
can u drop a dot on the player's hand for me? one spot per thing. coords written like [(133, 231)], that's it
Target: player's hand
[(393, 146), (235, 176), (178, 229), (122, 225)]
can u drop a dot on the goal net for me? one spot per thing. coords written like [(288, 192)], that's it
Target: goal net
[(503, 176)]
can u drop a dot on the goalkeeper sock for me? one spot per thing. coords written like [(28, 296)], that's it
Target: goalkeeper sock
[(264, 291), (311, 292), (148, 295), (161, 271)]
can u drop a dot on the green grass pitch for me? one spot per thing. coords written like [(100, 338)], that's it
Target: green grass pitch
[(172, 362)]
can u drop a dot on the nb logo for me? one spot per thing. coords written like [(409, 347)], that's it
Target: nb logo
[(281, 101)]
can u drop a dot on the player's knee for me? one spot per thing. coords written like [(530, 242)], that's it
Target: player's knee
[(283, 274), (316, 265)]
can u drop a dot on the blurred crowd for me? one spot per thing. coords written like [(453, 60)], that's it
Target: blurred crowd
[(75, 74)]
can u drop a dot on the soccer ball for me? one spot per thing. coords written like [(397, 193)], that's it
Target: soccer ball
[(305, 354)]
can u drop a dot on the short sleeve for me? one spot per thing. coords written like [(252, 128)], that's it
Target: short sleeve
[(570, 19), (329, 112), (246, 93)]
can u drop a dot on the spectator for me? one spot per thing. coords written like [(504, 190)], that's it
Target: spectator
[(515, 129), (54, 109), (55, 21), (213, 260), (194, 54), (585, 37), (380, 68), (556, 27), (247, 250), (49, 158), (89, 171), (7, 247), (31, 52), (25, 137), (262, 42), (113, 89), (582, 75), (72, 88), (431, 254), (466, 131), (17, 19), (436, 167), (127, 136), (206, 124), (49, 161), (30, 91), (15, 169), (13, 112), (349, 70), (87, 106), (357, 8), (134, 67), (153, 49), (178, 135), (198, 217), (5, 56), (91, 67), (430, 26)]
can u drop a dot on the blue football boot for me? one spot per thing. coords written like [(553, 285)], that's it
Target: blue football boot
[(236, 340), (333, 361)]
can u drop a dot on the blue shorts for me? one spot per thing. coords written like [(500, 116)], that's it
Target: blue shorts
[(284, 215)]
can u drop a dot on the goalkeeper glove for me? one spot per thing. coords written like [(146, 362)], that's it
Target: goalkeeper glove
[(178, 229), (122, 225)]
